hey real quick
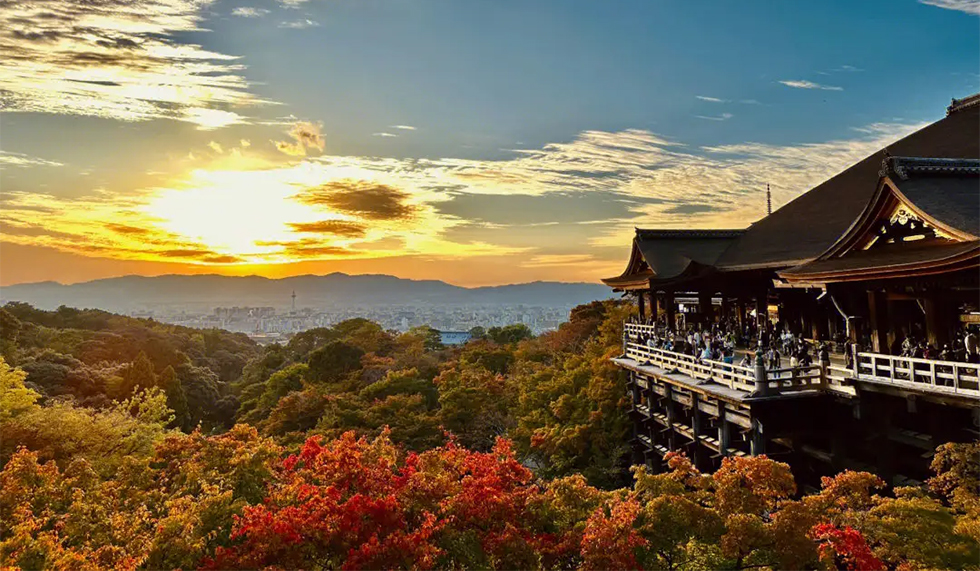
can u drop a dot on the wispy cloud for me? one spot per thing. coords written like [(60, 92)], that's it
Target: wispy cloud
[(8, 159), (117, 59), (968, 6), (249, 12), (403, 127), (329, 206), (710, 99), (300, 24), (804, 84), (722, 117), (305, 136), (384, 134)]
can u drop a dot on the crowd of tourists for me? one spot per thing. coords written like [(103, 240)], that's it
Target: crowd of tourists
[(721, 340), (965, 347)]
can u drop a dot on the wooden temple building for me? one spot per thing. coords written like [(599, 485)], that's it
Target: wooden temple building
[(886, 249)]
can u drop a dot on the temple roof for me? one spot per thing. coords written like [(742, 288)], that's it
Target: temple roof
[(804, 228), (671, 254), (892, 260), (924, 218), (947, 190)]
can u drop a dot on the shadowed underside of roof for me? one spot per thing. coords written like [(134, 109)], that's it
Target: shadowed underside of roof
[(807, 226), (893, 260)]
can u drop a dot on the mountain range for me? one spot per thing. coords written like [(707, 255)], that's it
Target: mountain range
[(203, 292)]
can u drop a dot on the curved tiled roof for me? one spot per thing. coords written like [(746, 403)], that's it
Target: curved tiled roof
[(803, 229)]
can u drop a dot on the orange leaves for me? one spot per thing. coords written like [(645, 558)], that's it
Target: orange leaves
[(845, 549), (752, 485), (611, 540)]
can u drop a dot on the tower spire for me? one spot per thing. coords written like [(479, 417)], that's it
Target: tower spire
[(294, 300), (768, 200)]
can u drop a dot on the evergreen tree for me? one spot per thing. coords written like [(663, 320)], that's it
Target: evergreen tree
[(176, 398)]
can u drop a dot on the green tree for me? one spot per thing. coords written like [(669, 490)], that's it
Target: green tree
[(509, 334), (176, 398), (333, 361), (138, 375)]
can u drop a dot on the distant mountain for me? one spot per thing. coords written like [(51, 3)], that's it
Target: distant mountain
[(203, 292)]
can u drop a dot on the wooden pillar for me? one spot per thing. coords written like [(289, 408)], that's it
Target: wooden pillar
[(937, 320), (724, 435), (670, 309), (725, 308), (762, 308), (640, 302), (696, 427), (669, 413), (704, 306), (878, 317), (740, 311), (757, 445), (658, 300)]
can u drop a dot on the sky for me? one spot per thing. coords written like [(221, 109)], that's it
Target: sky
[(470, 141)]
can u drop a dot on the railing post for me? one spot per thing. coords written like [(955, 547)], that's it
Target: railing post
[(854, 360), (824, 372), (761, 377)]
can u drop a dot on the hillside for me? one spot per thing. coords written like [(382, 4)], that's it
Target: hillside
[(134, 293)]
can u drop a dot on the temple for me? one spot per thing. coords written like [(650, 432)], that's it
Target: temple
[(877, 267)]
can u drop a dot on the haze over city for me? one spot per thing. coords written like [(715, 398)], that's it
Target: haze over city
[(475, 143)]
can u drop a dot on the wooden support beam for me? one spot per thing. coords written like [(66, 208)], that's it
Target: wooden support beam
[(705, 308), (670, 308), (878, 317), (757, 444)]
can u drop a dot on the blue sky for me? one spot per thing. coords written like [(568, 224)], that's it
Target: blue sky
[(519, 140)]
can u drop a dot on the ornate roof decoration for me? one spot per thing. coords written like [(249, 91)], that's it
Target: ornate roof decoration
[(960, 104), (904, 167)]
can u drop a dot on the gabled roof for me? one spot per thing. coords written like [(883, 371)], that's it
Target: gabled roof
[(671, 254), (923, 219), (803, 229)]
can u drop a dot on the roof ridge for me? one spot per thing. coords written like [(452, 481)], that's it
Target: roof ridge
[(689, 233), (960, 104), (903, 167)]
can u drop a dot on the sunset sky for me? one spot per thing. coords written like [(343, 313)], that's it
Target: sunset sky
[(473, 141)]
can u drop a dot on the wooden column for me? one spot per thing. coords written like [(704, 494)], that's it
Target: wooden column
[(670, 309), (762, 308), (725, 308), (937, 320), (659, 307), (757, 445), (704, 306), (640, 302), (699, 460), (724, 435), (878, 318)]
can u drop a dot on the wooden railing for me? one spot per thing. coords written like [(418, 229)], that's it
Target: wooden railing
[(782, 380), (921, 374), (731, 376)]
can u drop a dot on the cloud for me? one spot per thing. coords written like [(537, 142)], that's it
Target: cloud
[(334, 227), (710, 99), (362, 198), (577, 197), (403, 127), (803, 84), (118, 59), (216, 147), (300, 24), (722, 117), (8, 159), (249, 12), (384, 135), (968, 6), (245, 143), (306, 136)]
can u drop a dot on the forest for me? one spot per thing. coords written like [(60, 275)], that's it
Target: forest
[(132, 444)]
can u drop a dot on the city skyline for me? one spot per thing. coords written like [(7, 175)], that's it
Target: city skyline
[(473, 143)]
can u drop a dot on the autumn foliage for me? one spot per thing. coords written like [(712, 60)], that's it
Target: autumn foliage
[(357, 448)]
